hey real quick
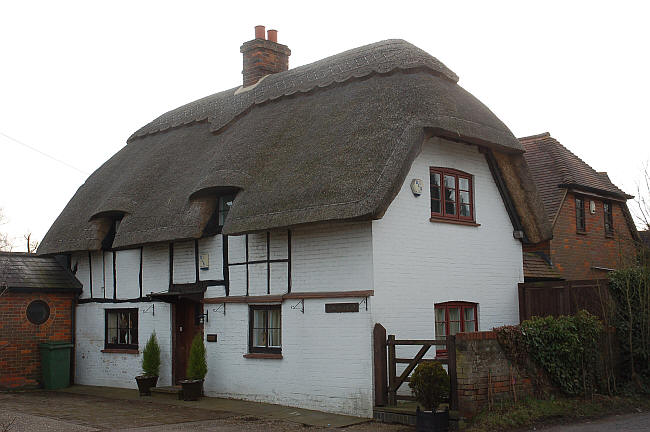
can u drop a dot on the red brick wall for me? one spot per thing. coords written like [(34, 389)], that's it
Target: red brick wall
[(20, 364), (575, 254), (484, 373)]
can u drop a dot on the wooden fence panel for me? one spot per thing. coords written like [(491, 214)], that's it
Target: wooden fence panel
[(379, 358), (563, 298)]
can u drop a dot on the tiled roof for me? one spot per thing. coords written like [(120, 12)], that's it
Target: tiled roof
[(554, 168), (22, 270), (536, 265)]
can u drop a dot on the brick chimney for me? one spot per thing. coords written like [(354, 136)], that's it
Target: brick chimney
[(263, 56)]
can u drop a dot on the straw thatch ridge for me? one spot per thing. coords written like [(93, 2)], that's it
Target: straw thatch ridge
[(298, 150)]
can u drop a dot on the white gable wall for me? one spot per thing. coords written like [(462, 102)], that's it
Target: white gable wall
[(417, 263)]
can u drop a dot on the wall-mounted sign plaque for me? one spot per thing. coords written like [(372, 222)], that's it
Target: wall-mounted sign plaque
[(341, 307)]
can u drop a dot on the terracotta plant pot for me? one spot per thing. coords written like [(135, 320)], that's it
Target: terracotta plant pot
[(192, 389), (145, 383), (427, 421)]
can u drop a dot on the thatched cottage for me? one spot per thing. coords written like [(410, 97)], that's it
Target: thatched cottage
[(369, 178)]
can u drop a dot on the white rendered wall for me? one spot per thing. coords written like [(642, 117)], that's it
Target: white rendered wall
[(92, 367), (127, 272), (155, 268), (326, 364), (184, 264), (418, 263), (80, 261)]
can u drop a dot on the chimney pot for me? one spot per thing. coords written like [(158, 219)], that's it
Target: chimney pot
[(273, 35), (259, 32)]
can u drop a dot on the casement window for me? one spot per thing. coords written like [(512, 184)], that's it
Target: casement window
[(609, 218), (581, 225), (455, 317), (121, 328), (265, 329), (225, 202), (452, 194)]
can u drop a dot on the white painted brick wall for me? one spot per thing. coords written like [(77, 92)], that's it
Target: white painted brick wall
[(155, 268), (98, 275), (92, 367), (418, 263), (184, 264), (213, 246), (236, 249), (336, 257), (326, 365), (127, 266)]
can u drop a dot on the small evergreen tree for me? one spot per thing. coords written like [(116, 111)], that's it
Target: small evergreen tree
[(151, 357), (430, 384), (197, 365)]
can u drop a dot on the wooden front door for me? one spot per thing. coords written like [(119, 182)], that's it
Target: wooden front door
[(187, 326)]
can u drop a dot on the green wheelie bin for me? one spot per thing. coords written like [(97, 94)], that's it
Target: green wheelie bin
[(55, 364)]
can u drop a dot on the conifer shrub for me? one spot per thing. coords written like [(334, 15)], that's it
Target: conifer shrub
[(197, 366), (151, 357), (430, 384)]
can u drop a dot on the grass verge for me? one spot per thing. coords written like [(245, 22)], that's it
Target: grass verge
[(537, 412)]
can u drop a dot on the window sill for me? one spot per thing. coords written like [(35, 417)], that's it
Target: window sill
[(581, 232), (453, 221), (609, 236), (263, 356), (120, 351)]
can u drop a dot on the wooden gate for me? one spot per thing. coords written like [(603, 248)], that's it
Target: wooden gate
[(387, 382)]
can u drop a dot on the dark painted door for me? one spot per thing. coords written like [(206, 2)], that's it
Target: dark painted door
[(187, 326)]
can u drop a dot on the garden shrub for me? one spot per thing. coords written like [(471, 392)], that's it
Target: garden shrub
[(197, 366), (151, 357), (430, 384), (567, 348), (630, 291)]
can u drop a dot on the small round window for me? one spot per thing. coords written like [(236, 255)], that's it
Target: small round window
[(38, 312)]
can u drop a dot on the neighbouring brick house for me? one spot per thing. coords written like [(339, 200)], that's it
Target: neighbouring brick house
[(593, 231), (37, 300)]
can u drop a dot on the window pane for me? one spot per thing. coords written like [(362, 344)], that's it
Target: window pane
[(469, 314), (274, 318), (259, 337), (440, 314), (112, 320), (465, 210), (450, 182), (454, 327), (435, 206), (122, 336), (464, 197), (134, 336), (440, 330), (274, 338), (454, 314), (259, 318), (123, 320), (450, 208), (463, 184), (470, 326), (112, 335)]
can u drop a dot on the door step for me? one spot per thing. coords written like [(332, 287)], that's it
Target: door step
[(168, 391)]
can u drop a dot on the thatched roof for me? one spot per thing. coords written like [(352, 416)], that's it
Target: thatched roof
[(28, 272), (328, 141)]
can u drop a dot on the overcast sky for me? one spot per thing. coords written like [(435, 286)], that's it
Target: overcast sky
[(77, 78)]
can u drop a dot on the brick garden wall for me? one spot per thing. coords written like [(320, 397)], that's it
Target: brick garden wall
[(480, 361), (20, 365)]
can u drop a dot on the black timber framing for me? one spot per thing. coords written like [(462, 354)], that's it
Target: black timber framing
[(90, 273)]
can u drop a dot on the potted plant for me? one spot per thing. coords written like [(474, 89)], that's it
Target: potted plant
[(430, 385), (197, 367), (150, 366)]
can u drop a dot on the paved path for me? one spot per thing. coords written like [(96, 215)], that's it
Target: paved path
[(620, 423), (69, 412)]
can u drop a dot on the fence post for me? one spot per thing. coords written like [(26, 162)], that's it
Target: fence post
[(379, 359), (453, 377), (392, 391), (523, 313)]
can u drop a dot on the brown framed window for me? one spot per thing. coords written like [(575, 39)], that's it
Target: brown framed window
[(452, 194), (609, 218), (455, 317), (265, 329), (581, 225), (121, 329)]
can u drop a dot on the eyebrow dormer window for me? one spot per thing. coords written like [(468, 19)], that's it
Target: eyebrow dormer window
[(225, 202), (452, 195)]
